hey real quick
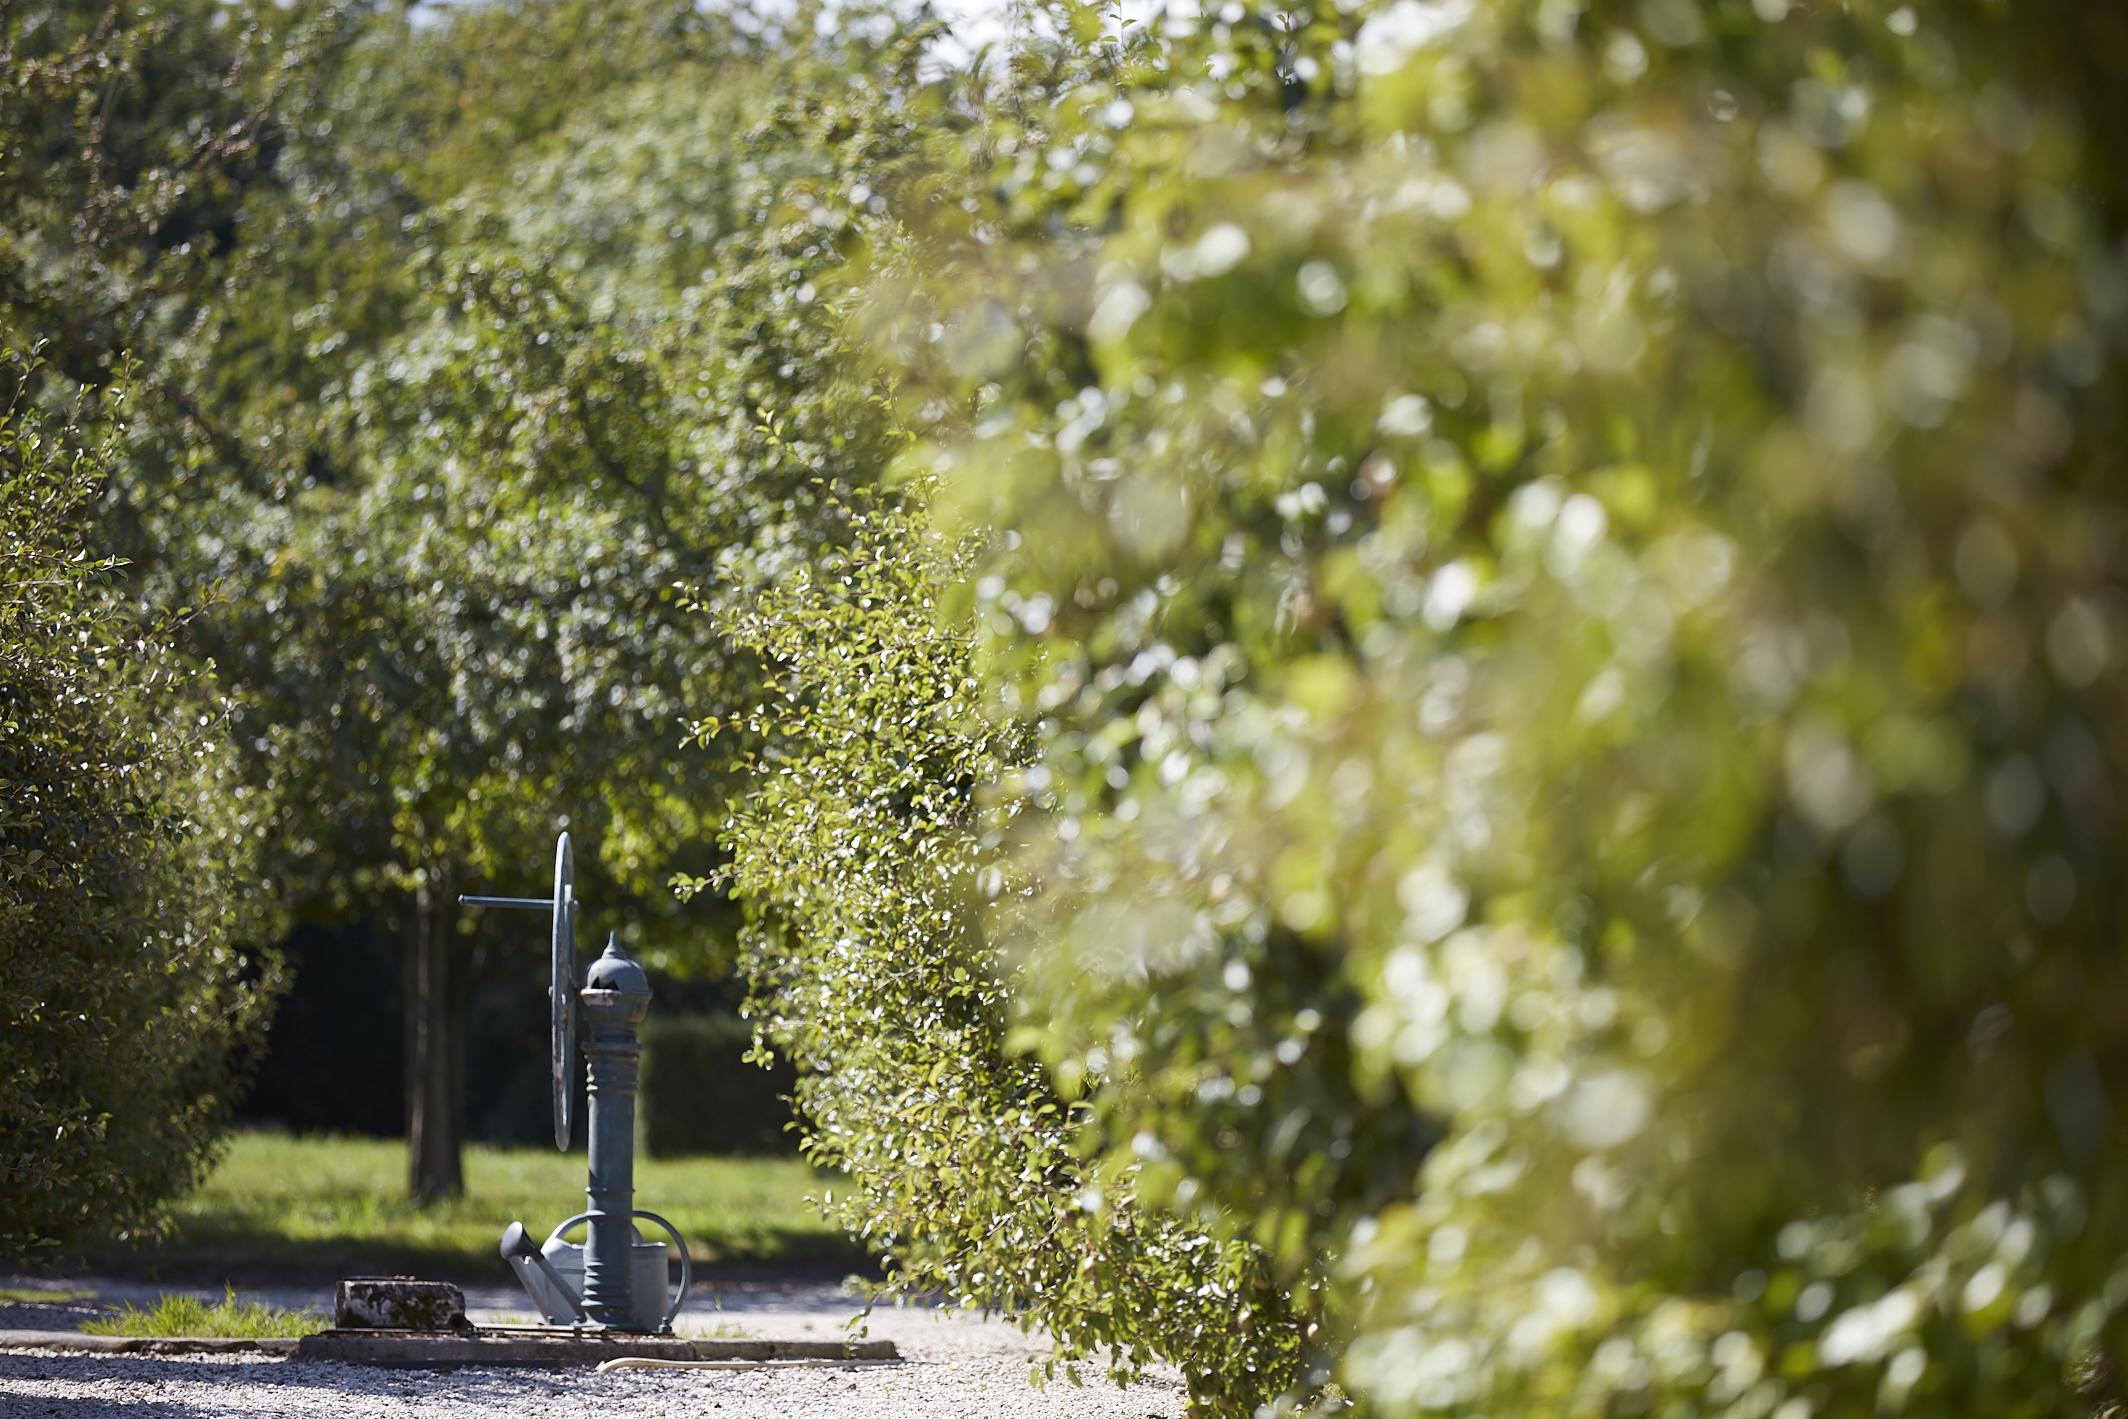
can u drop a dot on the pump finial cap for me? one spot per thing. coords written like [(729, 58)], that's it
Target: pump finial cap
[(616, 970)]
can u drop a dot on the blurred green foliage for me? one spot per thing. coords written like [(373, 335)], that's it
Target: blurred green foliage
[(458, 539), (1424, 698), (129, 1014), (456, 371), (1563, 566), (854, 845)]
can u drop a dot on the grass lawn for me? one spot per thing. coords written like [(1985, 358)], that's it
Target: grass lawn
[(42, 1295), (282, 1206)]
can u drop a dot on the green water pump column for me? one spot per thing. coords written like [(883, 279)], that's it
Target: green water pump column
[(614, 1281), (615, 997)]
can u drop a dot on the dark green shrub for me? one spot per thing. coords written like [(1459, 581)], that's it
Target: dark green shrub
[(702, 1094), (128, 1015)]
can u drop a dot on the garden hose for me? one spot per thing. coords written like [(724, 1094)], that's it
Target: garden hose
[(647, 1362)]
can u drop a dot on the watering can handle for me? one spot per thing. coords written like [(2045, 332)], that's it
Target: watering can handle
[(687, 1266)]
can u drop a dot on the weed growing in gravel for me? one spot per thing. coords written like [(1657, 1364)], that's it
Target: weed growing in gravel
[(174, 1315)]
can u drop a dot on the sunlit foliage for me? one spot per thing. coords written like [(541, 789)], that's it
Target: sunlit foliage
[(1469, 747), (857, 852), (470, 375), (1562, 562), (855, 844)]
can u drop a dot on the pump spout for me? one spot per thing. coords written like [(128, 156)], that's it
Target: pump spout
[(541, 1281)]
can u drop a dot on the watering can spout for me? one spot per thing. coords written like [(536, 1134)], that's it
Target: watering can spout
[(556, 1301)]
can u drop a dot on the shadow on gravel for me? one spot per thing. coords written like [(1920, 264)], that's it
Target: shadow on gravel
[(52, 1315)]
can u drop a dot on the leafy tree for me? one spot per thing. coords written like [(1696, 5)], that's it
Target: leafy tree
[(466, 638), (577, 425), (449, 433), (136, 140), (128, 877), (1558, 559)]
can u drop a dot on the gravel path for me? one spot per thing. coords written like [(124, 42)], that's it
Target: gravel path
[(956, 1366)]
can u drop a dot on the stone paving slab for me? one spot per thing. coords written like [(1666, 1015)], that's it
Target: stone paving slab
[(144, 1344), (553, 1347)]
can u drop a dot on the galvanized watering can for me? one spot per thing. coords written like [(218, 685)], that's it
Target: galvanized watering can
[(552, 1273)]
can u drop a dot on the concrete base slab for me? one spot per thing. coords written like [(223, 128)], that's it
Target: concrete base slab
[(529, 1347), (557, 1346)]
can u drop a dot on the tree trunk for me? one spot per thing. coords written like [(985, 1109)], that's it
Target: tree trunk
[(435, 1051)]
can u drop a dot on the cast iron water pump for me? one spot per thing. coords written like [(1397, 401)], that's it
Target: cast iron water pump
[(615, 1280)]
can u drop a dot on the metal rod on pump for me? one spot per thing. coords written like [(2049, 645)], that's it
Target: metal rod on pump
[(561, 986)]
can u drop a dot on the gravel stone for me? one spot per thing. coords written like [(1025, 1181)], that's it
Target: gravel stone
[(957, 1366), (233, 1387)]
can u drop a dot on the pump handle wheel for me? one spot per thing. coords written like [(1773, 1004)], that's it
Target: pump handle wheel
[(561, 992), (561, 985)]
